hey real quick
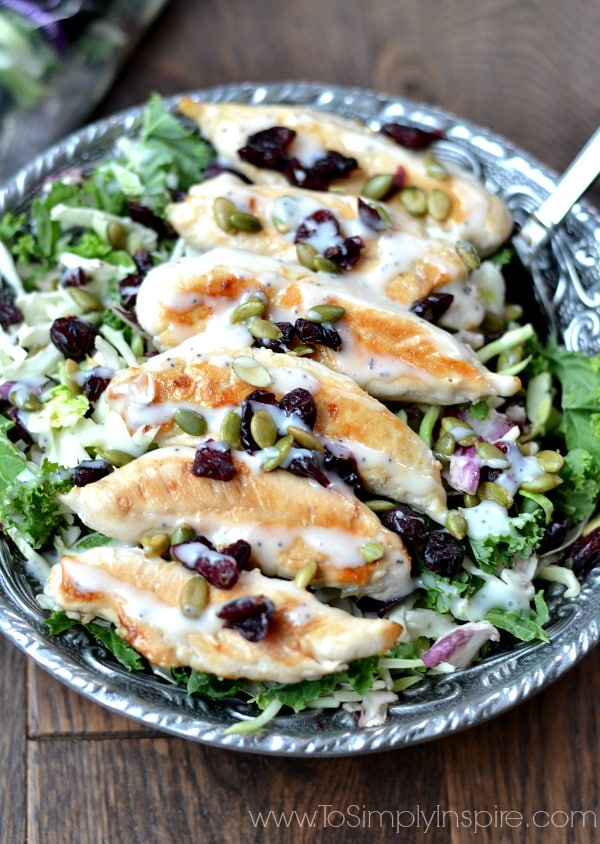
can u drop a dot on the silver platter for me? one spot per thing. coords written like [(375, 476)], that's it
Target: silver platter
[(571, 267)]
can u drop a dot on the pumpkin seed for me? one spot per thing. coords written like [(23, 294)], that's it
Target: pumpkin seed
[(115, 456), (434, 167), (324, 265), (379, 505), (470, 500), (468, 254), (250, 371), (243, 221), (456, 524), (156, 544), (325, 313), (252, 307), (438, 204), (371, 551), (491, 455), (445, 445), (263, 429), (182, 533), (543, 483), (116, 235), (194, 596), (264, 329), (550, 461), (25, 401), (513, 312), (306, 255), (280, 450), (230, 429), (414, 200), (222, 210), (378, 186), (301, 349), (305, 574), (491, 491), (190, 421), (305, 438), (71, 372), (85, 299)]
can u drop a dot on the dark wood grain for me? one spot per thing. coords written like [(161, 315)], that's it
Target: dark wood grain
[(528, 69)]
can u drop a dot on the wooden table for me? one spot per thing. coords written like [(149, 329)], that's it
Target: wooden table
[(74, 772)]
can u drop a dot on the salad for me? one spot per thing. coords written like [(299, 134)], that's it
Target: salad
[(94, 289)]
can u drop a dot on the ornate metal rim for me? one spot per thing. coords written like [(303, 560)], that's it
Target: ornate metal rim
[(571, 268)]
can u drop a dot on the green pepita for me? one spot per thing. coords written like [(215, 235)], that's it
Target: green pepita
[(182, 533), (550, 461), (156, 544), (434, 167), (324, 265), (250, 371), (470, 500), (543, 483), (468, 254), (280, 450), (116, 235), (71, 380), (263, 429), (438, 204), (190, 421), (371, 551), (222, 210), (380, 505), (445, 445), (85, 299), (301, 350), (263, 329), (305, 439), (243, 221), (115, 456), (491, 491), (414, 200), (306, 255), (194, 596), (25, 400), (230, 429), (325, 313), (378, 186), (252, 307), (491, 455), (456, 524), (305, 574)]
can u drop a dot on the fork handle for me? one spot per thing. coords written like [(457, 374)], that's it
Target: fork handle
[(578, 176)]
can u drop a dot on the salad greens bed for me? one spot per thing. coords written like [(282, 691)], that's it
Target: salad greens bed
[(86, 242)]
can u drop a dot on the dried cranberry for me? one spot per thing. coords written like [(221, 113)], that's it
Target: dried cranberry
[(262, 397), (10, 314), (250, 616), (218, 568), (585, 553), (73, 337), (213, 460), (319, 175), (347, 253), (411, 136), (442, 553), (300, 402), (268, 148), (306, 465), (143, 261), (406, 523), (432, 307), (311, 225), (75, 277), (18, 431), (372, 217), (241, 552), (554, 535), (145, 216), (94, 385), (89, 471), (217, 169), (344, 466), (318, 332), (129, 288)]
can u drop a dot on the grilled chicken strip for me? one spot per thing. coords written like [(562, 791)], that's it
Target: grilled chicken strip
[(141, 596), (401, 262), (389, 351), (391, 458), (287, 520), (476, 215)]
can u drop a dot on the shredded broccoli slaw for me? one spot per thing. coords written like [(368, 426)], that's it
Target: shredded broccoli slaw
[(522, 474)]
